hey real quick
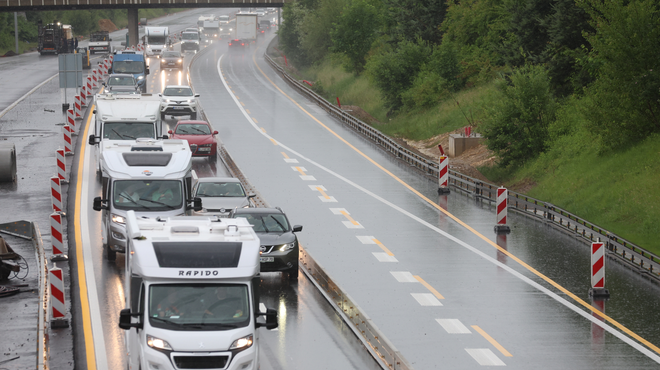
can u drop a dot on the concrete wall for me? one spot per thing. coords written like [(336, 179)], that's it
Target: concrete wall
[(459, 143)]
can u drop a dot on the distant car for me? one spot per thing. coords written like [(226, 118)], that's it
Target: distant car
[(220, 195), (178, 100), (264, 24), (200, 136), (171, 59), (279, 245), (121, 83), (237, 44)]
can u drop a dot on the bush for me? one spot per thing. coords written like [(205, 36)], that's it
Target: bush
[(516, 127)]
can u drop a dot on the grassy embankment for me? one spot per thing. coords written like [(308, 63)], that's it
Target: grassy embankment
[(614, 190)]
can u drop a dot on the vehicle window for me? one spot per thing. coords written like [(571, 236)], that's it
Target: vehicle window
[(193, 130), (171, 54), (199, 306), (121, 81), (144, 195), (268, 223), (128, 130), (190, 36), (128, 66), (178, 91), (157, 40), (226, 189)]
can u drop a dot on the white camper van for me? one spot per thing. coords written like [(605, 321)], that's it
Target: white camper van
[(151, 177), (125, 118), (155, 40), (192, 294)]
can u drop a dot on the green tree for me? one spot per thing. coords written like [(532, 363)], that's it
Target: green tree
[(412, 19), (290, 33), (393, 69), (316, 26), (516, 126), (625, 98), (526, 34), (354, 32)]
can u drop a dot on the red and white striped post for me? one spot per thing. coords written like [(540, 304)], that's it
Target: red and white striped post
[(68, 146), (95, 78), (106, 66), (83, 95), (57, 237), (70, 118), (598, 270), (443, 172), (56, 193), (77, 106), (502, 203), (89, 85), (61, 165), (57, 302)]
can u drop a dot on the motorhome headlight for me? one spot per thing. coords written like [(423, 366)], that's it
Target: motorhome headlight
[(286, 247), (118, 219), (140, 77), (242, 343), (157, 343)]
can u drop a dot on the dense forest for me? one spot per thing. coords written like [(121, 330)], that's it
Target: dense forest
[(565, 92)]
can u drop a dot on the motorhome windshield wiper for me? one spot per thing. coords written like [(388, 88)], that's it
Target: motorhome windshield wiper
[(166, 321), (160, 203), (122, 135)]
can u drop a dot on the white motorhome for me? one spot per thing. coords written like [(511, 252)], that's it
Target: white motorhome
[(192, 295), (151, 177), (246, 27), (125, 118), (155, 40)]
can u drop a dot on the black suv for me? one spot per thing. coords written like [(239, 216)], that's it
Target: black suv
[(279, 244)]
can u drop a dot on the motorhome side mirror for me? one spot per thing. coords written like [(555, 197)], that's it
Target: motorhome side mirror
[(297, 228), (197, 204), (147, 70), (92, 140), (271, 319), (98, 204), (123, 43), (125, 317), (165, 136)]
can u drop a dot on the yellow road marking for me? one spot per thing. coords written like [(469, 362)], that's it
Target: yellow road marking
[(255, 120), (322, 193), (469, 228), (285, 155), (429, 287), (301, 171), (263, 130), (273, 141), (492, 341), (248, 111), (349, 218), (243, 104), (82, 282), (383, 247)]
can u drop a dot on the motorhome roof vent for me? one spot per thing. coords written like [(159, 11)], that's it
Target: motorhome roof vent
[(144, 159), (185, 229), (146, 149)]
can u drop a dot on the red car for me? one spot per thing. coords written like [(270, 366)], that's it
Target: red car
[(200, 136)]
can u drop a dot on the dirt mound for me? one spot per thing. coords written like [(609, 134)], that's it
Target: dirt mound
[(10, 53), (107, 25)]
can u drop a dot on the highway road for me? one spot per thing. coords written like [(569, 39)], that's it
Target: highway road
[(435, 285)]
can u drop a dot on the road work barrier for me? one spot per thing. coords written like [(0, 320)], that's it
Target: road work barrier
[(618, 249), (501, 211), (7, 162), (56, 194), (57, 235), (598, 271), (61, 166), (57, 299), (77, 106), (443, 175), (70, 118)]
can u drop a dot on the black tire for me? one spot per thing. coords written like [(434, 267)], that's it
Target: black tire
[(110, 254), (292, 273)]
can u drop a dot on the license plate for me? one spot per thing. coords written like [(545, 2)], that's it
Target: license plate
[(266, 259), (177, 107)]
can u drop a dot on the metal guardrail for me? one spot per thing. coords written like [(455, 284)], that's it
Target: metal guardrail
[(619, 249), (22, 5)]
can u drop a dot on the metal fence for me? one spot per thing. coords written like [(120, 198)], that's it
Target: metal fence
[(619, 249)]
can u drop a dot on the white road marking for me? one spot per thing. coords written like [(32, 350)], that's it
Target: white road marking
[(338, 211), (308, 178), (290, 160), (404, 277), (485, 357), (329, 199), (366, 239), (453, 326), (384, 257), (586, 315), (426, 299), (352, 225)]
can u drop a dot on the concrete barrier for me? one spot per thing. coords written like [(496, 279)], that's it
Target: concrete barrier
[(7, 162)]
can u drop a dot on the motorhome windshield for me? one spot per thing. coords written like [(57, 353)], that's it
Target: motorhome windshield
[(190, 36), (199, 306), (147, 195), (128, 130), (157, 40), (127, 66)]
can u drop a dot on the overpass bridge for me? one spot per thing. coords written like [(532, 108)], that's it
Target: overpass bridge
[(132, 6)]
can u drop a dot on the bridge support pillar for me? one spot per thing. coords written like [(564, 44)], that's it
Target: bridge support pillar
[(133, 34)]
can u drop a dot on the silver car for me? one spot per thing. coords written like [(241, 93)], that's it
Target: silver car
[(220, 195), (121, 83), (178, 100)]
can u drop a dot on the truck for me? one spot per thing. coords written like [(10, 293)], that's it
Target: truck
[(192, 294), (211, 29), (100, 42), (155, 40), (55, 38), (151, 177), (190, 40), (246, 27), (124, 118), (133, 62), (202, 18)]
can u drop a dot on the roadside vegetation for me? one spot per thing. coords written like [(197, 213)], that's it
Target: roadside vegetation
[(83, 23), (566, 93)]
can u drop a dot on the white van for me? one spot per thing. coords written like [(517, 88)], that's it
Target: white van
[(191, 294)]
